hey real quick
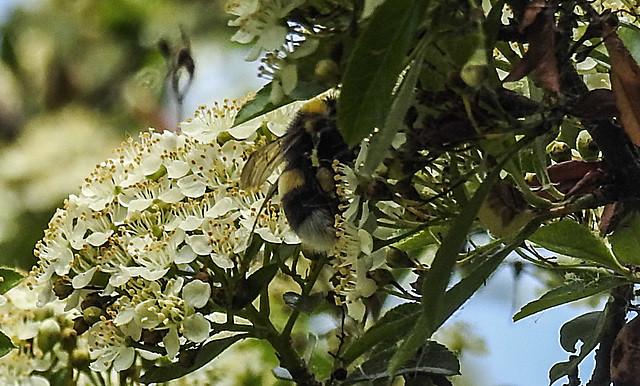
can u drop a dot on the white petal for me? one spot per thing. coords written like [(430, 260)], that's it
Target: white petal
[(83, 279), (196, 328), (192, 186), (221, 207), (98, 238), (125, 359), (200, 244), (196, 293), (222, 261), (177, 169), (171, 196), (138, 205), (185, 255), (172, 343)]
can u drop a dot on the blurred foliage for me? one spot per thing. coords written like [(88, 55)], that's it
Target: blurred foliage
[(76, 77)]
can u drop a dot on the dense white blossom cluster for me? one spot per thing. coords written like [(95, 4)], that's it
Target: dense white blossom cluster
[(145, 223)]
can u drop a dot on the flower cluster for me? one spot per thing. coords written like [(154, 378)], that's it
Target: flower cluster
[(129, 252), (44, 341)]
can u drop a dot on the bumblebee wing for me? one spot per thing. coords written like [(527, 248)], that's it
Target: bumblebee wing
[(261, 164)]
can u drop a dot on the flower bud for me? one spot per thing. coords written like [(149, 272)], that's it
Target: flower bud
[(48, 335)]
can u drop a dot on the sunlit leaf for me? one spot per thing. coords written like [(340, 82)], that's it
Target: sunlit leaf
[(625, 240), (630, 36), (258, 105), (572, 239), (567, 293), (372, 72)]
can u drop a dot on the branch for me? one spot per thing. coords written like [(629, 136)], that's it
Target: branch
[(615, 318)]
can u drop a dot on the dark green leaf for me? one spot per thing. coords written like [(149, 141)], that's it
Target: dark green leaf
[(9, 278), (394, 325), (587, 328), (249, 289), (259, 105), (567, 293), (432, 359), (381, 141), (203, 356), (572, 239), (582, 328), (625, 240), (5, 345), (373, 69), (304, 304)]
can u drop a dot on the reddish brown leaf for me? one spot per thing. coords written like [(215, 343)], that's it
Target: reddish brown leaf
[(531, 13), (541, 56), (596, 104), (625, 83)]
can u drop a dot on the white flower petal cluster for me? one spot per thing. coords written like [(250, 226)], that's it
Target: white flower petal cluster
[(146, 222), (262, 21)]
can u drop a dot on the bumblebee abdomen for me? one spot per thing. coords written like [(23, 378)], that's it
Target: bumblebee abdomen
[(310, 211)]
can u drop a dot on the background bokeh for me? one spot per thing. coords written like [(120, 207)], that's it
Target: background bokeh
[(78, 77)]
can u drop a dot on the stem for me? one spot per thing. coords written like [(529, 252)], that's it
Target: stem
[(286, 353), (316, 268)]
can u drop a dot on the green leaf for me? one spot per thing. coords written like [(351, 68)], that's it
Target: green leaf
[(587, 328), (5, 345), (434, 359), (203, 356), (630, 36), (9, 278), (381, 141), (249, 289), (567, 293), (395, 324), (259, 105), (372, 72), (305, 304), (569, 238), (625, 240), (437, 278)]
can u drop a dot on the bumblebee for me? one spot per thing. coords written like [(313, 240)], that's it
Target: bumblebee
[(306, 186)]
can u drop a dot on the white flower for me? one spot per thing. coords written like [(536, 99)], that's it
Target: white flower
[(264, 20), (107, 345)]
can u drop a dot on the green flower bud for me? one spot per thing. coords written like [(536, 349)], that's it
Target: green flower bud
[(48, 335), (80, 359), (559, 151), (586, 146)]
